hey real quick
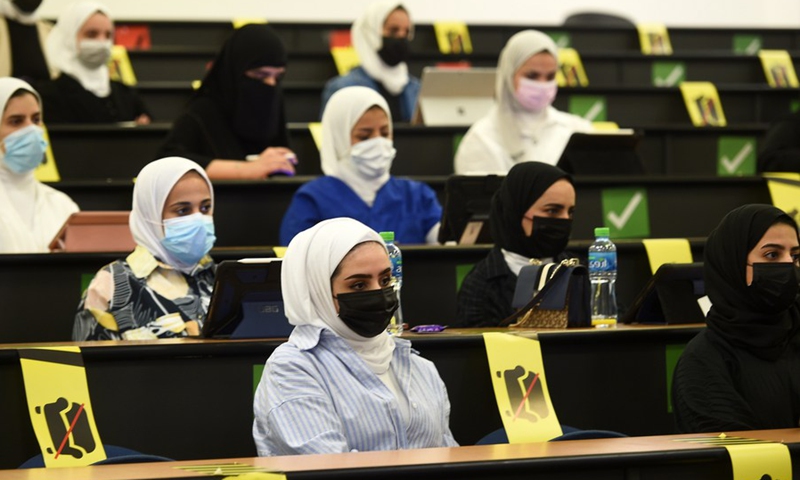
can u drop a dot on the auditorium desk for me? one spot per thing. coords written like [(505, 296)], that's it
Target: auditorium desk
[(616, 458), (249, 213), (486, 39), (192, 399), (82, 151), (743, 104), (429, 291)]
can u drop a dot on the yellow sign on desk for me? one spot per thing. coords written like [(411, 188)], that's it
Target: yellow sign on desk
[(47, 171), (703, 104), (119, 66), (241, 22), (59, 406), (784, 188), (760, 461), (667, 250), (570, 72), (316, 134), (654, 39), (778, 68), (452, 37), (520, 388), (345, 59)]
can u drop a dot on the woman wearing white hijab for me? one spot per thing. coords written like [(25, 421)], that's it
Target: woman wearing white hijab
[(356, 155), (32, 213), (80, 46), (162, 289), (341, 383), (22, 35), (522, 125), (380, 37)]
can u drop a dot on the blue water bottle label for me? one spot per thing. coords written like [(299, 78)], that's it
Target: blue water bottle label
[(602, 261)]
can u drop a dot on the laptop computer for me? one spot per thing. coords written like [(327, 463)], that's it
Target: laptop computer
[(98, 231), (247, 301), (454, 96), (670, 296), (602, 154)]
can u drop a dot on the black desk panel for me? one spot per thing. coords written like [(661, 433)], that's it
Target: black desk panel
[(249, 213), (161, 397), (88, 152)]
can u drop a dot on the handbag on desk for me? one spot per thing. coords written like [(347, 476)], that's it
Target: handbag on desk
[(552, 295)]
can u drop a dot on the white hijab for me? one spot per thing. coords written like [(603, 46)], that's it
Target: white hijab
[(62, 47), (9, 10), (367, 37), (342, 112), (30, 213), (512, 119), (309, 262), (153, 185)]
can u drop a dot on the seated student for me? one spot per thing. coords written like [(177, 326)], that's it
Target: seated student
[(341, 383), (780, 151), (237, 114), (356, 156), (380, 37), (743, 371), (162, 289), (32, 213), (522, 125), (22, 35), (80, 46), (531, 217)]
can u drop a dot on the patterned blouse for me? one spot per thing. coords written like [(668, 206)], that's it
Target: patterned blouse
[(140, 298)]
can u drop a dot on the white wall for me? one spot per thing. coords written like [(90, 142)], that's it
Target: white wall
[(675, 13)]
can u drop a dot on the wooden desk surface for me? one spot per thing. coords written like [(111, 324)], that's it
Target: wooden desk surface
[(618, 452)]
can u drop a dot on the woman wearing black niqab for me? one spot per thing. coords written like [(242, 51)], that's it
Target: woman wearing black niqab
[(743, 371), (531, 218), (237, 113)]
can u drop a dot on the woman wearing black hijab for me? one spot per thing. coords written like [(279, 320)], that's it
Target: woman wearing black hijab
[(531, 218), (237, 114), (22, 36), (743, 371)]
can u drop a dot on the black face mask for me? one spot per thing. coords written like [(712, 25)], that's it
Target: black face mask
[(27, 6), (775, 285), (256, 112), (368, 313), (394, 50), (549, 237)]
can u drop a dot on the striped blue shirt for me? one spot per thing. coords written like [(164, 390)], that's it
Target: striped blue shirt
[(317, 395)]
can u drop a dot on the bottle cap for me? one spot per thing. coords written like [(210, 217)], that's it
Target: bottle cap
[(389, 236), (601, 232)]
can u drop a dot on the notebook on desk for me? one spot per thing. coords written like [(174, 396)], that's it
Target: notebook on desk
[(247, 301), (454, 96), (98, 231)]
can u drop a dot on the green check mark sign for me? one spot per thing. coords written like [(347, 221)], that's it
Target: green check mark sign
[(625, 212), (736, 156)]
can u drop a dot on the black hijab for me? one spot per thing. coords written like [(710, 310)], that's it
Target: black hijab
[(735, 315), (523, 185), (254, 110)]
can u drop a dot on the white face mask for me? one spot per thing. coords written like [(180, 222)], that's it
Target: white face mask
[(535, 96), (373, 158), (94, 54)]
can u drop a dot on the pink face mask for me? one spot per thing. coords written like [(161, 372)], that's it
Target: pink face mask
[(535, 96)]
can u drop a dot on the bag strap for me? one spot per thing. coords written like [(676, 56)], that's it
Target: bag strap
[(537, 299)]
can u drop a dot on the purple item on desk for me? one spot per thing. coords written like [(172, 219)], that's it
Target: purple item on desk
[(428, 328)]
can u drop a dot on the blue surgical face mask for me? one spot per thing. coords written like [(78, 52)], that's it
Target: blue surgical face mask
[(189, 238), (25, 149)]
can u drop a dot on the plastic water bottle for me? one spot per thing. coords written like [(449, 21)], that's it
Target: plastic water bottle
[(603, 277), (396, 325)]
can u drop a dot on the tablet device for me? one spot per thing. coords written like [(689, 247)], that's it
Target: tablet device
[(467, 203), (602, 154), (247, 301), (100, 231), (670, 296), (454, 96)]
